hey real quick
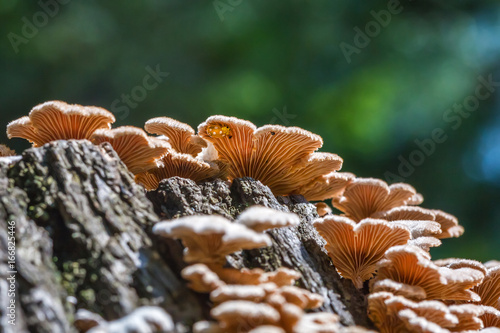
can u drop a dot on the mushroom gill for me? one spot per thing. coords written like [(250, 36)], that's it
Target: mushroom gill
[(282, 158), (209, 239), (173, 164), (355, 248), (364, 197), (138, 151), (56, 120), (411, 265), (180, 135)]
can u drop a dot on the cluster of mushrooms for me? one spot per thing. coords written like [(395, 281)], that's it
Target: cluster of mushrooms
[(381, 241)]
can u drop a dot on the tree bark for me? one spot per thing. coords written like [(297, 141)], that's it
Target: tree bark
[(83, 240)]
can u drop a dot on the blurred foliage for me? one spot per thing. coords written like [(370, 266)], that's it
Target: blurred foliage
[(282, 61)]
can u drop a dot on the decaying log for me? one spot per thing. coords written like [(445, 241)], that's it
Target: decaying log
[(84, 240)]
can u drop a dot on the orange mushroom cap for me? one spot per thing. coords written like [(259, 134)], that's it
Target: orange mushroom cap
[(282, 158), (175, 164), (489, 289), (237, 316), (181, 136), (260, 218), (354, 248), (397, 314), (412, 265), (364, 197), (414, 293), (56, 120), (201, 278), (208, 239), (448, 222), (138, 151)]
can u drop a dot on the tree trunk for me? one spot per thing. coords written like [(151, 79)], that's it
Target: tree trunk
[(83, 240)]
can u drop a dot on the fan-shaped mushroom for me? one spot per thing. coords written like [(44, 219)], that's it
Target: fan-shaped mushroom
[(56, 120)]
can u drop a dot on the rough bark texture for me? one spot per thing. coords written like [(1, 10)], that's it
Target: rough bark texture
[(83, 240)]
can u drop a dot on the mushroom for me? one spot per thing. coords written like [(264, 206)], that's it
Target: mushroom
[(397, 314), (420, 228), (207, 327), (209, 239), (415, 323), (414, 293), (180, 135), (260, 218), (364, 197), (143, 319), (489, 289), (237, 316), (455, 263), (322, 209), (448, 222), (302, 298), (492, 263), (425, 243), (329, 186), (177, 164), (56, 120), (290, 315), (201, 278), (281, 277), (490, 316), (411, 265), (468, 317), (267, 329), (138, 151), (282, 158), (321, 322), (407, 213), (6, 151), (242, 293), (244, 276), (354, 248)]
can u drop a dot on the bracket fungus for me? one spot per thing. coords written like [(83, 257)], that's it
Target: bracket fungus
[(209, 239), (138, 151), (180, 135), (6, 151), (364, 197), (241, 316), (411, 265), (449, 223), (354, 248), (414, 293), (489, 289), (177, 164), (201, 278), (260, 218), (392, 313), (282, 158), (56, 120), (143, 319)]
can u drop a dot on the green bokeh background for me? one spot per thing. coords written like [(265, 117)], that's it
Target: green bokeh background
[(282, 62)]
